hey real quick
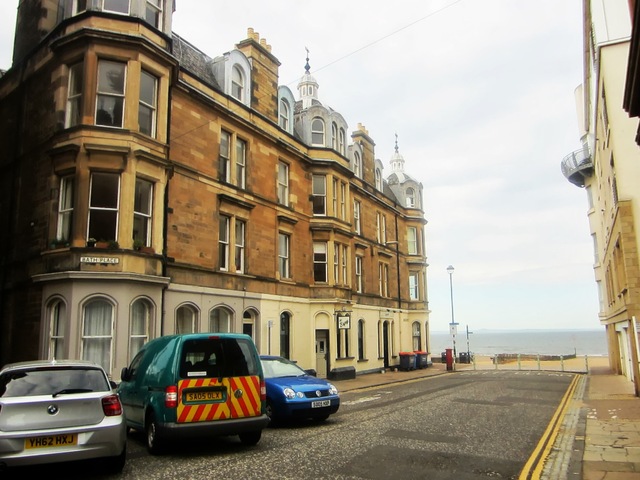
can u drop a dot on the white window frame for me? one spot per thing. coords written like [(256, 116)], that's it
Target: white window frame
[(65, 208), (138, 338), (142, 216), (224, 233), (88, 338), (412, 241), (144, 105), (239, 248), (224, 157), (357, 164), (320, 260), (237, 83), (57, 334), (182, 321), (317, 132), (414, 286), (154, 10), (103, 94), (283, 183), (357, 222), (75, 87), (319, 187), (109, 5), (284, 113), (359, 278), (241, 162), (95, 209), (284, 245), (220, 320)]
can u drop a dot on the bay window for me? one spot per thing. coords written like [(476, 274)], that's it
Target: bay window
[(142, 212), (73, 114), (65, 208), (97, 332)]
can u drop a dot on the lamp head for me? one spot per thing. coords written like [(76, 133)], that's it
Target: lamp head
[(450, 269)]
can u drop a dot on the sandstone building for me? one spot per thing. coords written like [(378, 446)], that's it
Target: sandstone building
[(147, 188)]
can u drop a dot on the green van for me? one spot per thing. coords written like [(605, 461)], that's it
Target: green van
[(195, 385)]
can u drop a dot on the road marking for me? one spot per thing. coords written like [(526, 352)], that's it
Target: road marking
[(362, 400), (542, 450)]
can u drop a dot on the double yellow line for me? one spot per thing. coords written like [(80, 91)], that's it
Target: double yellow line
[(533, 468)]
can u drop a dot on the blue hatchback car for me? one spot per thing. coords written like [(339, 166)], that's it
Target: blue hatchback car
[(294, 394)]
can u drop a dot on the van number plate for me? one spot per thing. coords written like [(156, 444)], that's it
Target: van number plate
[(203, 396), (321, 403)]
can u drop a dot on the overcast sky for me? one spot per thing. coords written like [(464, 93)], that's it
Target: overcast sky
[(481, 95)]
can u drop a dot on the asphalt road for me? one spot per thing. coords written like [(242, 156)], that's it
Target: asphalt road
[(471, 425)]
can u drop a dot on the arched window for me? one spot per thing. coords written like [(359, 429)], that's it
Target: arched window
[(317, 132), (57, 312), (237, 83), (220, 320), (417, 340), (378, 179), (334, 136), (139, 326), (97, 332), (361, 355), (357, 164), (285, 339), (410, 197), (185, 319), (284, 114), (341, 143)]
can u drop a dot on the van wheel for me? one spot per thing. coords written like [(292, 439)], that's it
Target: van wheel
[(250, 438), (154, 444)]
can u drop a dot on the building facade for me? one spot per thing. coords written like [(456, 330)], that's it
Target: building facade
[(608, 168), (149, 189)]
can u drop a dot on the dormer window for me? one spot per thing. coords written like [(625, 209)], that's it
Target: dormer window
[(334, 136), (378, 179), (357, 165), (411, 197), (237, 83), (284, 114), (317, 132), (117, 6), (153, 13), (341, 136)]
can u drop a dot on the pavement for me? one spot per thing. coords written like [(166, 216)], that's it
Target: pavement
[(595, 433)]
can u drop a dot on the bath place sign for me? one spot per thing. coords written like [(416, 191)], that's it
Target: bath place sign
[(100, 260)]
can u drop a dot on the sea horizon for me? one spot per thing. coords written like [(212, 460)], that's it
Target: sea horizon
[(524, 341)]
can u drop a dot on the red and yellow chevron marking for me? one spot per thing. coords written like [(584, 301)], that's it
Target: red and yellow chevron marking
[(248, 405)]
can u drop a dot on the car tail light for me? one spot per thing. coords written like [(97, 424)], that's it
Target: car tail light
[(111, 406), (263, 391), (171, 396)]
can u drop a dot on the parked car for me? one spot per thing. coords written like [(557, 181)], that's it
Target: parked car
[(292, 393), (58, 411), (195, 385)]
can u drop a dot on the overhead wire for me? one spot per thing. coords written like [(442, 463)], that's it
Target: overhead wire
[(333, 62)]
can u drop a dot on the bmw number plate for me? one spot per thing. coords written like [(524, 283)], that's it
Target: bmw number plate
[(321, 403), (51, 441)]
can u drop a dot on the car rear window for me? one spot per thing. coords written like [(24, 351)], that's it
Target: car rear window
[(52, 380), (218, 357)]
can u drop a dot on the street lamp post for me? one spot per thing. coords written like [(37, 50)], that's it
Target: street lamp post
[(453, 325), (468, 349)]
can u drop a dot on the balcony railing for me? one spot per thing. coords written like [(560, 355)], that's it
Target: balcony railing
[(577, 166)]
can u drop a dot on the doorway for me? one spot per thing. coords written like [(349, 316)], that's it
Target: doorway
[(322, 353)]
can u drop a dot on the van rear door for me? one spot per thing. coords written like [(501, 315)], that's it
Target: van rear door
[(220, 378)]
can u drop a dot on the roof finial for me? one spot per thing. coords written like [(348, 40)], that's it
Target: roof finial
[(307, 67), (396, 143)]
